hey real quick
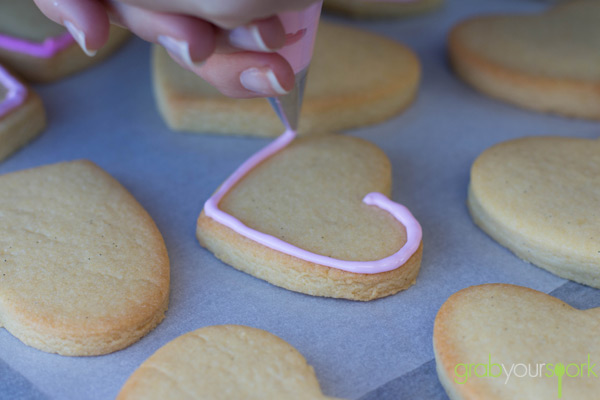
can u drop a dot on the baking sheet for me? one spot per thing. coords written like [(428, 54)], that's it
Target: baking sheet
[(107, 114)]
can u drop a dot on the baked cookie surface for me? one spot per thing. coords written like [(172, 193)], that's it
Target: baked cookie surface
[(382, 8), (540, 197), (22, 115), (224, 362), (546, 62), (310, 195), (83, 268), (379, 79), (499, 341), (40, 50)]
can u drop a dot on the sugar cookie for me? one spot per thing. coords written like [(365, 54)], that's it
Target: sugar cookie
[(311, 218), (503, 342), (356, 78), (381, 8), (224, 362), (540, 197), (83, 268), (22, 115), (40, 50), (547, 62)]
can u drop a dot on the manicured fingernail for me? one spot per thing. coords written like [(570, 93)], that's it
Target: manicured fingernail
[(261, 80), (179, 49), (79, 37), (248, 38)]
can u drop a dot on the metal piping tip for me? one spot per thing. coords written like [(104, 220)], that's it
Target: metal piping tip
[(288, 106)]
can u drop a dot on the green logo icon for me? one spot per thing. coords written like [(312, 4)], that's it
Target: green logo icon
[(559, 371)]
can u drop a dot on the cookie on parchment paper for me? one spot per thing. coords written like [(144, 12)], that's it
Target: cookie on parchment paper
[(355, 78), (540, 197), (83, 268), (39, 50), (506, 342), (22, 115), (311, 195), (545, 62), (224, 362), (381, 8)]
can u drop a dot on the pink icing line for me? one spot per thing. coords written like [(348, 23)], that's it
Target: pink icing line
[(16, 92), (46, 49), (398, 211)]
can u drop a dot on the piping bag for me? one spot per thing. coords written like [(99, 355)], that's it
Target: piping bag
[(300, 28)]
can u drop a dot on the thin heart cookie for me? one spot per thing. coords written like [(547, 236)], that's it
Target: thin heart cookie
[(40, 50), (224, 362), (83, 268), (381, 8), (22, 115), (356, 78), (540, 197), (503, 342), (313, 217), (546, 62)]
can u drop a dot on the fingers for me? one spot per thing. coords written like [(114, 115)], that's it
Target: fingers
[(265, 35), (86, 20), (192, 43), (195, 44), (187, 39), (191, 40), (248, 74)]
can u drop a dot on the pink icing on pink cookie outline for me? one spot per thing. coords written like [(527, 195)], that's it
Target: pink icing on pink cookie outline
[(46, 49), (398, 211), (15, 92)]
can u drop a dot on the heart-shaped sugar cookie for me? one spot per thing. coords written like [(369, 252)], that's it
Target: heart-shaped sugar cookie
[(381, 8), (310, 217), (540, 197), (503, 342), (83, 268), (355, 78), (547, 62), (224, 362), (22, 115), (41, 50)]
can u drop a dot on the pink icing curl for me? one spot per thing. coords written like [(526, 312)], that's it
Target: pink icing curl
[(46, 49), (15, 92), (398, 211)]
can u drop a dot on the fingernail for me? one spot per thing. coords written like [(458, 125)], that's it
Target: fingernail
[(248, 38), (179, 49), (79, 37), (261, 80)]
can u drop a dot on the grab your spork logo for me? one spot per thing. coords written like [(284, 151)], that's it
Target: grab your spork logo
[(464, 372)]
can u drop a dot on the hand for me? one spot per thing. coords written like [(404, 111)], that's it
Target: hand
[(229, 43)]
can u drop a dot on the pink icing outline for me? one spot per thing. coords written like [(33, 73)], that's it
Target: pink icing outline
[(16, 92), (46, 49), (398, 211)]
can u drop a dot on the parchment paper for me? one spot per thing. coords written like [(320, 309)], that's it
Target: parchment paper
[(107, 114)]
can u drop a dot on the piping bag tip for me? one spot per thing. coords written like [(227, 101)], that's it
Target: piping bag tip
[(301, 28), (289, 105)]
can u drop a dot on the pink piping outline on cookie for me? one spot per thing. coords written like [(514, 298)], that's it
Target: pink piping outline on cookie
[(15, 92), (398, 211), (46, 49)]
